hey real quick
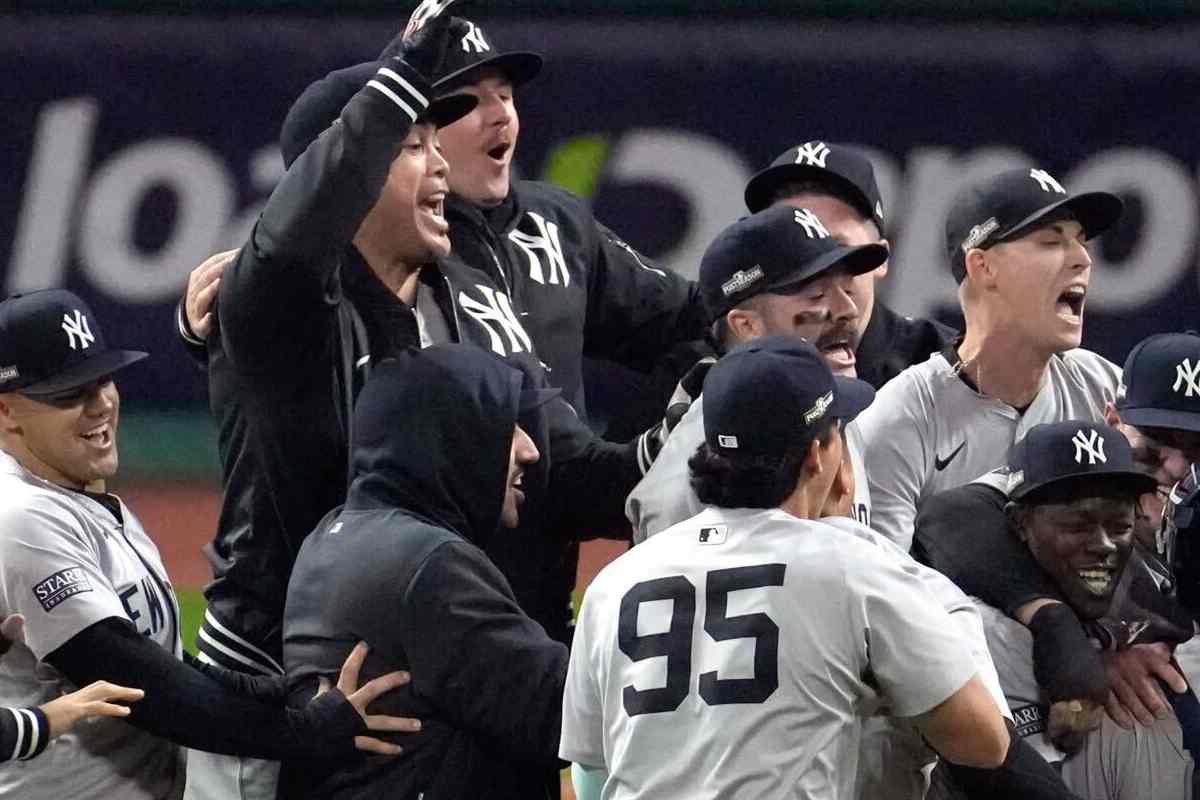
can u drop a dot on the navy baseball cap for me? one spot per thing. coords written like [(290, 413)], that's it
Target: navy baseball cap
[(322, 102), (51, 342), (831, 164), (767, 395), (1011, 204), (1162, 383), (470, 50), (1057, 452), (775, 250)]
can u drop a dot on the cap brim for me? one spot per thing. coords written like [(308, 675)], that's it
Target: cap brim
[(84, 372), (1138, 482), (761, 188), (1161, 418), (853, 397), (855, 260), (532, 399), (450, 109), (520, 66), (1095, 211)]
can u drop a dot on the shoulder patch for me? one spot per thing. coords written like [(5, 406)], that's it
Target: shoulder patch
[(715, 534), (61, 585)]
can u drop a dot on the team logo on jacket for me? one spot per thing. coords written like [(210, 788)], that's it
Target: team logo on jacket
[(61, 585), (505, 333), (543, 243)]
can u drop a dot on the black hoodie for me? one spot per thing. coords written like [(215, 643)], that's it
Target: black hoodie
[(400, 566)]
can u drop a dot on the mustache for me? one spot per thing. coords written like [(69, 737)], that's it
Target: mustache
[(838, 334)]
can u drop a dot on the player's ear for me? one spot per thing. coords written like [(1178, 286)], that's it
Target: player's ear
[(1111, 417), (744, 324), (979, 269), (881, 271), (7, 423), (1015, 513)]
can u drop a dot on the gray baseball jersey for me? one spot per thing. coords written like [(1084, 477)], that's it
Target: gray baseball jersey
[(928, 430), (1113, 764), (664, 496), (737, 641), (66, 563)]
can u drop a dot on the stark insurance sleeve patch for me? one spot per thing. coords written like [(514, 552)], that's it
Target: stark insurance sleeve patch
[(61, 585)]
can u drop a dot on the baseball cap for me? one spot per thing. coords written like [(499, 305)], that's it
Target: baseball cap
[(771, 250), (767, 395), (471, 50), (1162, 382), (834, 164), (322, 102), (50, 341), (1065, 451), (1009, 205)]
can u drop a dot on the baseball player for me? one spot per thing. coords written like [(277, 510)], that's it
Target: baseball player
[(837, 183), (1155, 413), (98, 604), (25, 732), (691, 642), (775, 272), (1016, 243), (440, 459), (1073, 487)]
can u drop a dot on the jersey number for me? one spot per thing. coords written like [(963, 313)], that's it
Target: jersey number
[(676, 643)]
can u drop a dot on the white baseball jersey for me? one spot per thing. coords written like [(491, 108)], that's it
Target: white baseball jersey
[(66, 563), (725, 657), (928, 430), (664, 496)]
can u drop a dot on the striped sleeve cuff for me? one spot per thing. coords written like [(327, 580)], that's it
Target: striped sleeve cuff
[(403, 86), (29, 729)]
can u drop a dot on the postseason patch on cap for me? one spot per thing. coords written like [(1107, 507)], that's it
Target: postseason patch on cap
[(742, 279), (60, 586), (9, 373), (727, 441), (818, 408), (979, 234)]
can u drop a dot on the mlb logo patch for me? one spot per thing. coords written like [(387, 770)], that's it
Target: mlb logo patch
[(61, 585), (713, 535)]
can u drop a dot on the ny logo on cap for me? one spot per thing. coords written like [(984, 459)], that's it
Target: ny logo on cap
[(1090, 444), (812, 226), (812, 153), (1046, 181), (77, 328), (473, 40), (1187, 377)]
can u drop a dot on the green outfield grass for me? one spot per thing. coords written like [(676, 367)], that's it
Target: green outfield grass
[(191, 612)]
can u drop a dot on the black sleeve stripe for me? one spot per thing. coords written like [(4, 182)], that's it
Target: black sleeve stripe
[(401, 90)]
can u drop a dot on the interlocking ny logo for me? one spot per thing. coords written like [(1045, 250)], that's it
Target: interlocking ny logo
[(496, 316), (546, 241), (812, 226), (1090, 444), (1046, 181), (473, 40), (79, 335), (812, 153), (1187, 377)]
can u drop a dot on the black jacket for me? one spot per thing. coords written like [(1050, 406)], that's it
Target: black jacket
[(301, 319), (400, 567), (892, 343), (574, 286)]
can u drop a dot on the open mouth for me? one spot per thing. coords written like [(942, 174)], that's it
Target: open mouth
[(1070, 302), (838, 351), (100, 436), (500, 151), (1098, 579)]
